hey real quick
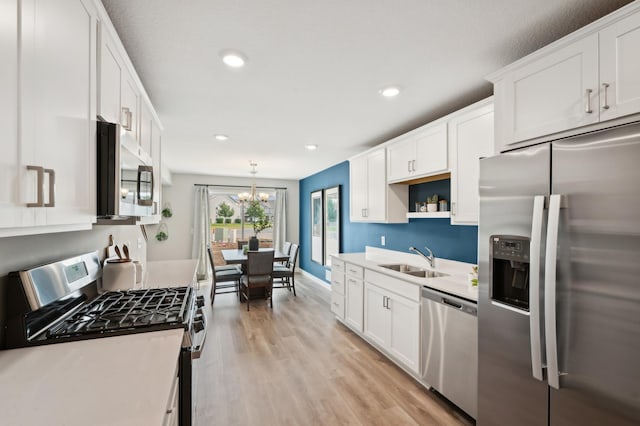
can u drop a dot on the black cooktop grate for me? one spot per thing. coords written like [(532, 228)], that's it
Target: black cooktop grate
[(118, 311)]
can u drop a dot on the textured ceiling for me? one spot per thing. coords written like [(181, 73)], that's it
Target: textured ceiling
[(315, 67)]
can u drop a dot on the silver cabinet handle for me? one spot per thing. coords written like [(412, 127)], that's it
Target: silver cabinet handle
[(605, 103), (453, 208), (409, 166), (553, 375), (40, 192), (384, 301), (587, 106), (128, 118), (534, 287), (413, 165), (52, 186)]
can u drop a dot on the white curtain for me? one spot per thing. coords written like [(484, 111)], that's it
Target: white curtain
[(201, 231), (280, 220)]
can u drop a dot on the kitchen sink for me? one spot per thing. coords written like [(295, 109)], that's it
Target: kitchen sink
[(413, 270)]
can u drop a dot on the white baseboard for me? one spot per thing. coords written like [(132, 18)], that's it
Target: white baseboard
[(325, 285)]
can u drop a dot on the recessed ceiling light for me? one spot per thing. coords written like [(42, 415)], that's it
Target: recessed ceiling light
[(311, 147), (233, 59), (222, 137), (390, 91)]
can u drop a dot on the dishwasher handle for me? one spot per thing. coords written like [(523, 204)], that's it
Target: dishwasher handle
[(448, 300), (456, 305)]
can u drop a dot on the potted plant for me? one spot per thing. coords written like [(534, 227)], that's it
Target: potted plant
[(166, 211), (163, 232), (432, 203), (260, 221)]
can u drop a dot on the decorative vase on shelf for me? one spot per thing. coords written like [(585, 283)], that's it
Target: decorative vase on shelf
[(254, 243), (432, 203)]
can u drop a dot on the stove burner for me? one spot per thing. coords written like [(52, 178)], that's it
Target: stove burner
[(116, 311)]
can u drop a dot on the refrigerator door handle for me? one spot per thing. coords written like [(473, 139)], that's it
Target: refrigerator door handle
[(534, 287), (550, 292)]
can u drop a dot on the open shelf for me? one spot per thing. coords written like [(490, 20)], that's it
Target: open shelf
[(427, 215)]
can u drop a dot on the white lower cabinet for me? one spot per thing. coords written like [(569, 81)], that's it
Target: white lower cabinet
[(354, 302), (172, 417), (382, 309), (337, 287), (393, 322)]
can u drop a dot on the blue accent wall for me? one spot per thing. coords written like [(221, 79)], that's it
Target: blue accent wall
[(447, 241)]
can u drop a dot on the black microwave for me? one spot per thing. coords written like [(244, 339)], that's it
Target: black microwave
[(125, 181)]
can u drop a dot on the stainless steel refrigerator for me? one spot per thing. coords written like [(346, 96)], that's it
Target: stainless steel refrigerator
[(559, 282)]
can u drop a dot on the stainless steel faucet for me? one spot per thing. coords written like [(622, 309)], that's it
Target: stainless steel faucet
[(430, 258)]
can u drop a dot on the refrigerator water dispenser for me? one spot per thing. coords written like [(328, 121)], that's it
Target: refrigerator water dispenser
[(509, 260)]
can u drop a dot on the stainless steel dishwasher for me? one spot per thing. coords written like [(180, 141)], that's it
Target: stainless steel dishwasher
[(450, 348)]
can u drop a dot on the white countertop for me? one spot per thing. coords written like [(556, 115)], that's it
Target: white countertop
[(455, 283), (123, 380)]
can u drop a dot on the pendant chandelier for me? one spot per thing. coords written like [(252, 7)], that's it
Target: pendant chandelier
[(254, 195)]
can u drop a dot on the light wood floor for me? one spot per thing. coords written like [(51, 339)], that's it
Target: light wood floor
[(296, 365)]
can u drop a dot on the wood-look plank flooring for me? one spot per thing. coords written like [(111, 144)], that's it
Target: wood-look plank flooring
[(297, 365)]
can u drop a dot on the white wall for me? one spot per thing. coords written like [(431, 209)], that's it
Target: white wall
[(18, 253), (181, 197)]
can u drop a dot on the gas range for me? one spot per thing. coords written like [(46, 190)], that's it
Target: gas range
[(59, 302)]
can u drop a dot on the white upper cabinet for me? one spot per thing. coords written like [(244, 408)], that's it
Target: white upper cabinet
[(146, 122), (620, 68), (470, 138), (584, 79), (555, 93), (52, 179), (130, 109), (371, 199), (109, 78), (13, 211), (420, 153)]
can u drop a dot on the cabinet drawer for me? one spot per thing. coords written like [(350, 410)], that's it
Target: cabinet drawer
[(354, 271), (337, 304), (337, 284), (337, 266), (397, 286)]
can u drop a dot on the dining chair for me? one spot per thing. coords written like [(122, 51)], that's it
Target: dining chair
[(259, 275), (286, 273), (241, 244), (286, 249), (223, 274)]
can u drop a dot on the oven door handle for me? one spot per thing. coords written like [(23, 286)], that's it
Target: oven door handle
[(199, 338)]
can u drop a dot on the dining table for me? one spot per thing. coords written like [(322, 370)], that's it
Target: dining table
[(239, 257)]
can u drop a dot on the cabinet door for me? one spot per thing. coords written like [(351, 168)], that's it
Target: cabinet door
[(129, 113), (431, 151), (376, 315), (59, 98), (554, 93), (13, 171), (358, 188), (401, 161), (376, 186), (109, 79), (145, 129), (354, 303), (620, 68), (337, 304), (404, 338), (471, 138), (156, 157)]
